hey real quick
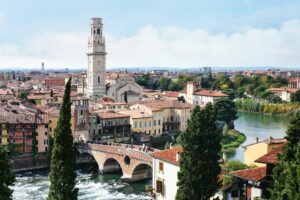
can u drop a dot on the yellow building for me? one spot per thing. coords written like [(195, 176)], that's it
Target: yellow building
[(3, 135), (167, 116), (53, 116), (140, 121), (256, 150)]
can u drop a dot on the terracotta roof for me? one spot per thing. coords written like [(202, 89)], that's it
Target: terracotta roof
[(183, 91), (172, 94), (168, 155), (255, 174), (6, 92), (161, 104), (290, 90), (210, 93), (111, 115), (271, 157), (136, 113), (269, 141)]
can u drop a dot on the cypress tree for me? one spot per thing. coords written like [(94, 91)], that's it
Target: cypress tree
[(7, 177), (63, 174), (199, 168), (286, 174)]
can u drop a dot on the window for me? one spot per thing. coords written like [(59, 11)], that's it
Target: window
[(159, 122), (161, 166), (46, 125), (141, 125), (46, 133), (145, 124), (81, 112), (50, 129), (159, 186), (154, 123), (135, 124)]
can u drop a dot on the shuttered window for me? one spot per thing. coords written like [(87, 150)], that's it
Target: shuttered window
[(161, 166), (159, 186)]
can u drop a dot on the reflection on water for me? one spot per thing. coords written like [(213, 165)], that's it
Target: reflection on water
[(261, 126), (92, 186)]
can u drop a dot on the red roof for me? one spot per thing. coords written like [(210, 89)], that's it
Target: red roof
[(271, 157), (172, 94), (168, 155), (210, 93), (255, 174)]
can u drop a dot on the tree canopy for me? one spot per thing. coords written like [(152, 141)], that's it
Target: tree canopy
[(286, 174), (7, 177)]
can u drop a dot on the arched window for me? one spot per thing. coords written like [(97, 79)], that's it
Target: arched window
[(98, 79), (98, 31)]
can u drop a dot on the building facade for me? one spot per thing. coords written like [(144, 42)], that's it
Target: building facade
[(109, 127)]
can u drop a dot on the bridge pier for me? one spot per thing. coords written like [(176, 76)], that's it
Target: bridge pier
[(110, 168), (135, 177)]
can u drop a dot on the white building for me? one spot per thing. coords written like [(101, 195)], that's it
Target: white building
[(96, 60), (164, 176), (165, 168), (195, 95)]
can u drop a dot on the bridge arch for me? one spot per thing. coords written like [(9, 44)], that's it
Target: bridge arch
[(111, 165)]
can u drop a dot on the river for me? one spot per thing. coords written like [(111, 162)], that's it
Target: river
[(95, 186), (255, 125), (92, 186)]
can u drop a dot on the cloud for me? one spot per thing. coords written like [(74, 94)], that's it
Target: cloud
[(164, 46)]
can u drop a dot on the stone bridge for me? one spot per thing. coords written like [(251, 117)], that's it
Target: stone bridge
[(134, 161)]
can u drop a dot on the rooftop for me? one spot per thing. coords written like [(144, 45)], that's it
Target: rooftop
[(255, 174), (168, 155), (271, 157)]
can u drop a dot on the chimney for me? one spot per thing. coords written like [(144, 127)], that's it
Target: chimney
[(257, 139), (177, 156), (270, 139)]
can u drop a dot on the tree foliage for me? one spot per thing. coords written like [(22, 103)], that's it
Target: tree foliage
[(286, 174), (63, 175), (7, 177), (199, 168), (227, 111), (296, 97)]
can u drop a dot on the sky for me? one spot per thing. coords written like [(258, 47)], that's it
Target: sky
[(146, 33)]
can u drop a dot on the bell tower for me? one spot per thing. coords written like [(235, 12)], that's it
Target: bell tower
[(96, 60)]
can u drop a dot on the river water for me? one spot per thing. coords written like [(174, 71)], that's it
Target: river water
[(92, 186), (255, 125), (95, 186)]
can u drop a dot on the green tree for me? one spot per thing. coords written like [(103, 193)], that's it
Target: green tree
[(22, 95), (7, 177), (199, 167), (181, 98), (227, 111), (164, 83), (296, 97), (63, 175), (286, 174), (125, 97)]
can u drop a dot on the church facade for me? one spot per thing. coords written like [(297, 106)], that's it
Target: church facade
[(124, 89)]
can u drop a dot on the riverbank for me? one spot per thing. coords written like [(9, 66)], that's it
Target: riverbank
[(266, 108), (232, 140)]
